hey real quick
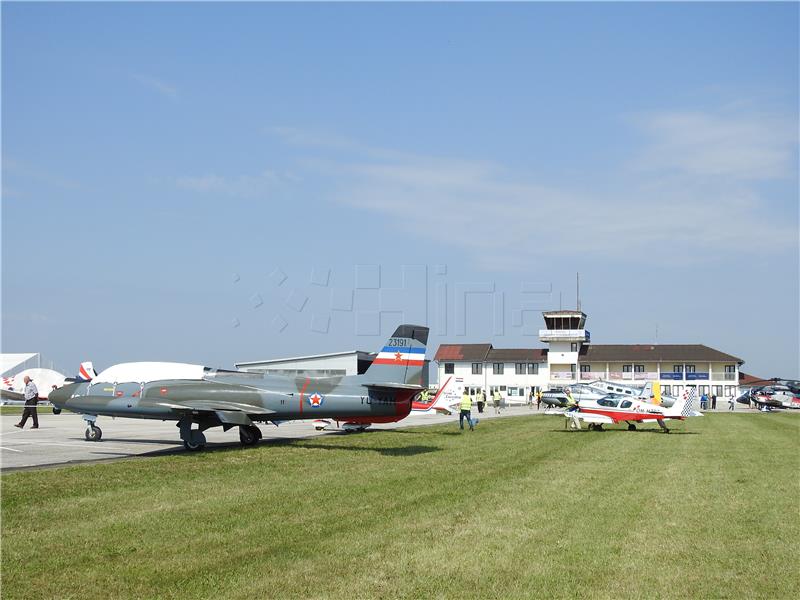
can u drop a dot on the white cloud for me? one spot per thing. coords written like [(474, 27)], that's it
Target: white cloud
[(734, 143), (165, 89), (695, 196), (505, 221)]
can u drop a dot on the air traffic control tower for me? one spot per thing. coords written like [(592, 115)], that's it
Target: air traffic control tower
[(565, 332)]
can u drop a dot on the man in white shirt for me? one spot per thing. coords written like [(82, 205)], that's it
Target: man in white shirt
[(31, 398)]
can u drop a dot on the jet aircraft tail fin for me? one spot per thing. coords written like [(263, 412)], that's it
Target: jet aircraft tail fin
[(86, 371), (401, 359)]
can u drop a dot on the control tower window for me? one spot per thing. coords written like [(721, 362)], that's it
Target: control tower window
[(574, 346)]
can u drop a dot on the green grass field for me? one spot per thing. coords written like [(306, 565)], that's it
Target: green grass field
[(518, 509)]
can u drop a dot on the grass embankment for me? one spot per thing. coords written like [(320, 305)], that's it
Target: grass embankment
[(519, 508)]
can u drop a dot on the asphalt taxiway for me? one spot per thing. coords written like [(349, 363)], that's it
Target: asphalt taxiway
[(60, 438)]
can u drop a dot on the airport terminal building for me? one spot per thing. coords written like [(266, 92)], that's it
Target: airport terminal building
[(571, 358)]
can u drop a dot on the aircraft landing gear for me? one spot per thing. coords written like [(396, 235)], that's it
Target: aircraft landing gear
[(56, 411), (663, 425), (93, 433), (249, 435), (631, 427), (197, 441), (595, 427), (193, 439)]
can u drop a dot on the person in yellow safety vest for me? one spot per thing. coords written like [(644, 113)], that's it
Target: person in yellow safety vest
[(571, 403), (424, 396), (466, 410), (572, 409), (496, 401), (481, 400)]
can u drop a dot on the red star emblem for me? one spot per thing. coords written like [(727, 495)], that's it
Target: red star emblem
[(398, 357)]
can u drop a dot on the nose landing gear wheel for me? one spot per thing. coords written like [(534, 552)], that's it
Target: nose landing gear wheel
[(93, 433), (631, 427)]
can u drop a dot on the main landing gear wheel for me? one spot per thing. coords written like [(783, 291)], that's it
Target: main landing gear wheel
[(631, 427), (93, 433), (56, 411), (595, 426), (249, 435), (196, 442)]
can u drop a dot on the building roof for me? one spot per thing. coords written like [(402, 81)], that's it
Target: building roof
[(750, 380), (486, 353), (516, 354), (476, 352), (588, 353), (11, 361), (654, 353)]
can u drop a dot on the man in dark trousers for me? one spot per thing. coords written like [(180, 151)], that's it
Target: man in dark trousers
[(466, 410), (31, 398), (714, 401)]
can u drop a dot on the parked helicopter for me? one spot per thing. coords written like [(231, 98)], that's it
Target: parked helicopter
[(775, 393)]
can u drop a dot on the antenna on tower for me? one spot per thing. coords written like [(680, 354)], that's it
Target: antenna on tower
[(578, 290), (559, 300)]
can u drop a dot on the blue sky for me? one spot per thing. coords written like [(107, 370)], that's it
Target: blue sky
[(216, 183)]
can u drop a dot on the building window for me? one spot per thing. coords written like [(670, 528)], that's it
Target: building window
[(519, 368), (665, 390), (702, 389), (512, 391), (730, 368), (586, 368), (449, 368), (717, 390), (574, 346), (729, 390), (626, 368), (497, 368), (690, 368), (477, 368), (638, 368), (533, 368), (677, 368)]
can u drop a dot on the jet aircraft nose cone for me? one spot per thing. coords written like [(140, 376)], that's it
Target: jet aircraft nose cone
[(60, 396)]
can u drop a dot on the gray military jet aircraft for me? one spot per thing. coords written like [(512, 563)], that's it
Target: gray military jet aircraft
[(199, 397)]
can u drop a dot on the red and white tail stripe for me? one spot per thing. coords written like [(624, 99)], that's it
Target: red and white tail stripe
[(86, 371)]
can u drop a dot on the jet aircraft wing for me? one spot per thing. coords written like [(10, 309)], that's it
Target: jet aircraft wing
[(217, 405)]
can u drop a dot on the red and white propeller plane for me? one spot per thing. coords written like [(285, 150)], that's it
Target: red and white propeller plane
[(616, 408)]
